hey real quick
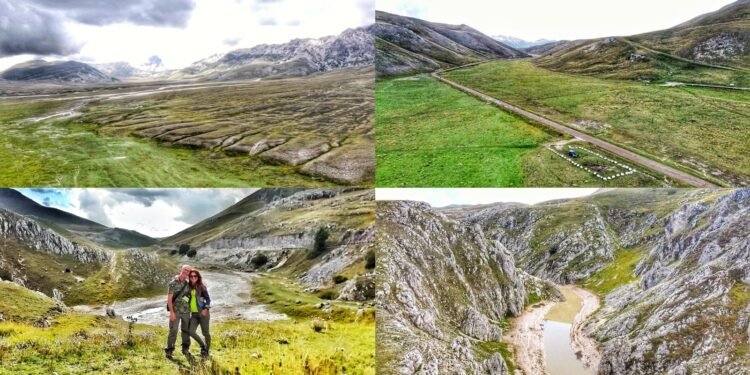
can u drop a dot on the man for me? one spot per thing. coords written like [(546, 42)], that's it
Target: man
[(178, 304)]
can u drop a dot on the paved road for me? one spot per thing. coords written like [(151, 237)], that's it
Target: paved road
[(638, 159)]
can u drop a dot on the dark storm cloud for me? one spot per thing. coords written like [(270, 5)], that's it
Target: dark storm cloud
[(173, 13), (25, 29), (37, 27)]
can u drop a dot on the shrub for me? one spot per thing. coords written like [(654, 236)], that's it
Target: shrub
[(328, 294), (259, 260), (192, 253), (184, 248), (319, 325), (173, 252), (370, 259), (319, 246), (338, 279)]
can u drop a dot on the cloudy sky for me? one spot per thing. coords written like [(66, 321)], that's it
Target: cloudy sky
[(555, 19), (178, 32), (154, 212), (447, 197)]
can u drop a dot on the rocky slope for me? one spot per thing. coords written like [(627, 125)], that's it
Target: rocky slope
[(671, 266), (58, 71), (444, 290), (34, 236), (300, 57), (409, 45), (718, 38), (280, 225), (689, 312), (70, 225)]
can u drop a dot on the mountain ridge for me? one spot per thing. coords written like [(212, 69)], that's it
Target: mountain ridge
[(408, 45)]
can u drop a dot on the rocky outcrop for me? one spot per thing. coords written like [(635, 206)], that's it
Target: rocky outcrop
[(355, 244), (34, 236), (443, 288), (361, 288), (690, 312)]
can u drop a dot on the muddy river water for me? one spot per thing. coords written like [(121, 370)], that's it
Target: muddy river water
[(560, 356)]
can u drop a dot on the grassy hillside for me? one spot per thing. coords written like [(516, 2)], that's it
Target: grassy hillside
[(253, 217), (691, 128), (407, 45), (419, 143)]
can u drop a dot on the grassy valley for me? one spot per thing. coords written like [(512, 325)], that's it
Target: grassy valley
[(635, 115), (432, 135), (310, 131)]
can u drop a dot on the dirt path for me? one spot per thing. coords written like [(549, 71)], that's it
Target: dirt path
[(638, 159), (527, 334), (230, 295)]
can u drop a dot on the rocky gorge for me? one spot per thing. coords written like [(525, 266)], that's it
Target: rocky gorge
[(670, 267)]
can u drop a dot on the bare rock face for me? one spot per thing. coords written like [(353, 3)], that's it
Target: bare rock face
[(440, 282), (722, 47), (42, 239), (690, 311)]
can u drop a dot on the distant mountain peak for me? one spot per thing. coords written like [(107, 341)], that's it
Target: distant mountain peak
[(301, 56), (61, 71)]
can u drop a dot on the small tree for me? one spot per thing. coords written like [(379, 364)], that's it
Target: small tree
[(173, 252), (319, 246), (370, 259), (184, 248), (192, 253), (259, 260)]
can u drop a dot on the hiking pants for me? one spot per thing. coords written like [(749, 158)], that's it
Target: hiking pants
[(195, 320), (183, 323)]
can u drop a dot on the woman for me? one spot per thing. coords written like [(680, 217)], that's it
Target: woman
[(200, 303)]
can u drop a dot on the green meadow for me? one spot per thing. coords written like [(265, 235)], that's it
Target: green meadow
[(699, 130), (431, 135)]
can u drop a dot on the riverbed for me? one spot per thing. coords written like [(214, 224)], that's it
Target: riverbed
[(548, 337), (230, 300)]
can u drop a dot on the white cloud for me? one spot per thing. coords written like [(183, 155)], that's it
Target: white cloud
[(210, 25), (154, 212), (447, 197), (569, 19)]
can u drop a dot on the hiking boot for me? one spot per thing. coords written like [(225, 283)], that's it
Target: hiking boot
[(204, 353), (168, 354), (186, 352)]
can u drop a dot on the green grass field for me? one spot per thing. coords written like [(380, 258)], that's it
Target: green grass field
[(431, 135), (696, 129), (76, 343)]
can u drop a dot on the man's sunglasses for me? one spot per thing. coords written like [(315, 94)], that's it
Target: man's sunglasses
[(196, 276)]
